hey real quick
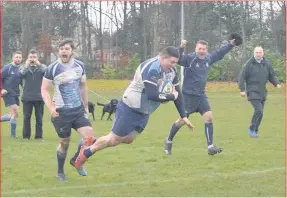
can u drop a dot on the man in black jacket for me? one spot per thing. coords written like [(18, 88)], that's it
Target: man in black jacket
[(254, 76), (32, 73)]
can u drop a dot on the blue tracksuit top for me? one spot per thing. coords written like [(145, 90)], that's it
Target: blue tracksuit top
[(195, 69), (11, 79)]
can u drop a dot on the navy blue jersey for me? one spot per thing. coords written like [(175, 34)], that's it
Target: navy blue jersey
[(11, 79), (196, 70)]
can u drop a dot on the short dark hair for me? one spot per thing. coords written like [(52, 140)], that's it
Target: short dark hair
[(17, 52), (202, 42), (33, 51), (169, 51), (67, 41)]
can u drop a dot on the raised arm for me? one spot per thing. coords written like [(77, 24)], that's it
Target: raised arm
[(24, 68), (220, 53), (184, 59)]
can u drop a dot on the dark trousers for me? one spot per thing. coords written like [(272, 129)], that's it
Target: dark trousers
[(258, 106), (39, 112)]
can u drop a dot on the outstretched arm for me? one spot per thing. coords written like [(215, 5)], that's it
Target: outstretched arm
[(221, 52)]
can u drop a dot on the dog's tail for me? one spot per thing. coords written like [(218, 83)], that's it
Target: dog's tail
[(100, 104)]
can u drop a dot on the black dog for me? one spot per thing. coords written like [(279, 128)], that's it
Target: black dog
[(109, 108), (92, 109)]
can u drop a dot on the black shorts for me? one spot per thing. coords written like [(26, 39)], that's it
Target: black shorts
[(10, 100), (195, 104), (70, 118)]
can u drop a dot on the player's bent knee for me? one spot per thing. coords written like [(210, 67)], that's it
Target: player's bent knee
[(207, 116), (128, 140), (64, 144)]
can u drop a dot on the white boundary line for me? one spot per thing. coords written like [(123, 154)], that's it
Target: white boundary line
[(244, 173), (98, 95)]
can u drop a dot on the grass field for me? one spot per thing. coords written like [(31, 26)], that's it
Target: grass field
[(247, 167)]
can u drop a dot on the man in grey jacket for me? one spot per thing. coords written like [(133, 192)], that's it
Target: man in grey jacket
[(32, 74), (253, 79)]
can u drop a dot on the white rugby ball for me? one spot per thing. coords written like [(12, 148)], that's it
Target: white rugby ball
[(166, 87)]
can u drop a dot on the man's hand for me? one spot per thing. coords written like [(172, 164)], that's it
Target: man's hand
[(232, 42), (27, 63), (278, 86), (242, 93), (188, 123), (87, 110), (3, 92), (37, 62), (54, 113), (183, 43)]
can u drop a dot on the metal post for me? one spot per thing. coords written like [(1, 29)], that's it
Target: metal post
[(182, 36)]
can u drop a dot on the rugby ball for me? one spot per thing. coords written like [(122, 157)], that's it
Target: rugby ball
[(166, 87)]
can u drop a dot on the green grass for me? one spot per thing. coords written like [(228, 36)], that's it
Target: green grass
[(247, 167)]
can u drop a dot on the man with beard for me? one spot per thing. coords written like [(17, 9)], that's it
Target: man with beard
[(10, 91), (69, 108), (32, 73)]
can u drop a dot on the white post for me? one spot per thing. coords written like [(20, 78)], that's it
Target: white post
[(182, 37)]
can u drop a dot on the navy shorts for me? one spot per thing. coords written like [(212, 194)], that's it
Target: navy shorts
[(10, 100), (195, 104), (128, 120), (70, 118)]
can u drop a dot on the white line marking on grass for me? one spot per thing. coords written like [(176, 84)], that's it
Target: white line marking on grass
[(244, 173)]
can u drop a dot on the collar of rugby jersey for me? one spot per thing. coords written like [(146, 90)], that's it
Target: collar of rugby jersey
[(15, 65)]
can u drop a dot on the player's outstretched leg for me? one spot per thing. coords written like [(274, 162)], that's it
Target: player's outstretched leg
[(101, 143), (173, 131), (208, 126)]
